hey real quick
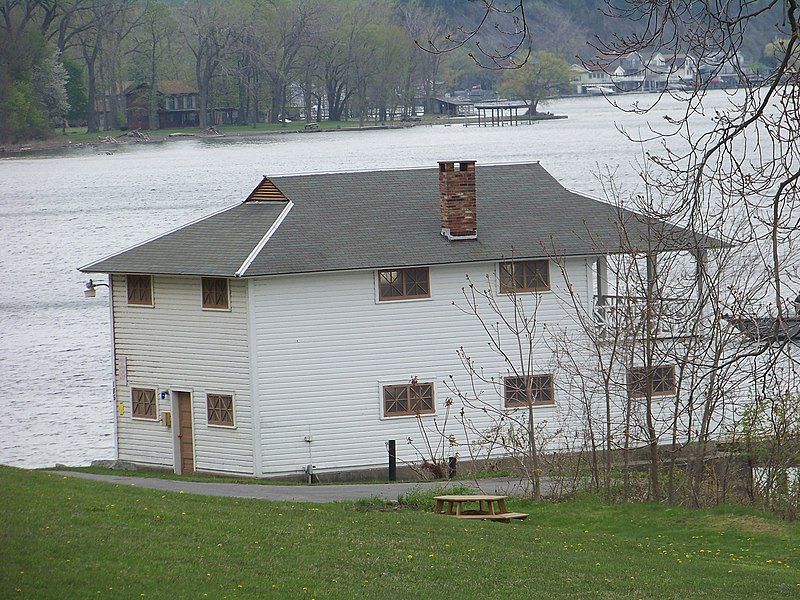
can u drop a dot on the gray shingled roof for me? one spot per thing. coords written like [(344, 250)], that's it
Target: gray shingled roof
[(376, 219), (216, 245)]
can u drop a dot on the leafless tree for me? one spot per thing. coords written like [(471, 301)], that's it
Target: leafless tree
[(206, 32), (513, 335)]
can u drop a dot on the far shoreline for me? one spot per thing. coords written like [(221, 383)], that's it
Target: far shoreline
[(109, 140)]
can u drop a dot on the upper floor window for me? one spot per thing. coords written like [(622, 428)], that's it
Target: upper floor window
[(660, 381), (404, 284), (525, 276), (140, 289), (144, 405), (220, 409), (515, 390), (409, 399), (215, 293)]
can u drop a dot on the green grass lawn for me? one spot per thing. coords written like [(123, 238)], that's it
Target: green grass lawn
[(199, 477), (67, 538)]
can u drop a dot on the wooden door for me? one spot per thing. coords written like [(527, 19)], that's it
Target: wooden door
[(185, 440)]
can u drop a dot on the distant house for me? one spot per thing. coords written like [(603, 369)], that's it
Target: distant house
[(177, 102), (654, 72), (588, 81), (451, 107), (462, 102), (314, 321)]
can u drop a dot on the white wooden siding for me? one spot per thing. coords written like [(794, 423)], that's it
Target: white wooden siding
[(324, 346), (175, 345)]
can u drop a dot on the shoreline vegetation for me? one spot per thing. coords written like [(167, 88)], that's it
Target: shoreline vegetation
[(66, 537), (77, 137)]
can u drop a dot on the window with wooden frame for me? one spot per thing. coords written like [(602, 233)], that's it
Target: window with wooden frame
[(220, 409), (140, 289), (215, 293), (660, 381), (524, 276), (404, 284), (144, 404), (409, 399), (515, 390)]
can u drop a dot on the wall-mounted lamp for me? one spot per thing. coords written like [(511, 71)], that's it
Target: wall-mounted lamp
[(90, 289)]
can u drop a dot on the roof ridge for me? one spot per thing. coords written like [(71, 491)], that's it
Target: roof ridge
[(263, 241), (401, 169)]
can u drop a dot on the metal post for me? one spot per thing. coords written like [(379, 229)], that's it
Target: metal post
[(392, 460), (451, 464)]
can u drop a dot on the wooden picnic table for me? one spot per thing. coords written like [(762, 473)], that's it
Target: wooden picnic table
[(486, 507)]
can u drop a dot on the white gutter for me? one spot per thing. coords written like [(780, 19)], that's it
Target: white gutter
[(115, 408), (260, 246)]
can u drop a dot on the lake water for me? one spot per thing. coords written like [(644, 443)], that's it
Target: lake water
[(64, 209)]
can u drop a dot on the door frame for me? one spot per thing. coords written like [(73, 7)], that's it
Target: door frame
[(177, 463)]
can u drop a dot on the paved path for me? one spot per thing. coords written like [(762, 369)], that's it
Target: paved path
[(298, 493)]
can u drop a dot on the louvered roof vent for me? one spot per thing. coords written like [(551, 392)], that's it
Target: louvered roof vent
[(266, 191)]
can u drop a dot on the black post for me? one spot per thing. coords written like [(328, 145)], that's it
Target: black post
[(392, 461), (451, 463)]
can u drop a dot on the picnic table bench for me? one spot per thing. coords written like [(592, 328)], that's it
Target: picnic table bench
[(486, 507)]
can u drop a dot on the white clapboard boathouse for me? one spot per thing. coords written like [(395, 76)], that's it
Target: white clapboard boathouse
[(315, 320)]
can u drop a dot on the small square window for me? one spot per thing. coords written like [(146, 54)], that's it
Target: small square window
[(143, 403), (220, 409), (515, 390), (215, 293), (140, 289), (409, 399), (660, 382), (404, 284), (525, 276)]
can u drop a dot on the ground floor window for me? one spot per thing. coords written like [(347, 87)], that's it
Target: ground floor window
[(143, 403), (515, 390), (220, 409), (408, 399), (656, 381)]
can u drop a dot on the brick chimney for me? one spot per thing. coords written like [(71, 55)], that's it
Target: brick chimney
[(457, 200)]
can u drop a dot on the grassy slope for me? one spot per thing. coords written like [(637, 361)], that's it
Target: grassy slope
[(69, 538)]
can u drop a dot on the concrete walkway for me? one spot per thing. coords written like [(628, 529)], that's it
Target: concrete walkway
[(297, 493)]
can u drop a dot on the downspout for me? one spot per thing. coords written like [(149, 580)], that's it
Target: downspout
[(113, 366)]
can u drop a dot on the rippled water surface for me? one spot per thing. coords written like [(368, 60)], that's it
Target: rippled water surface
[(65, 209)]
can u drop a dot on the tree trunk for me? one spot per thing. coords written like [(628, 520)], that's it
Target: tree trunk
[(307, 98), (275, 105), (533, 457), (253, 104), (533, 453), (244, 95), (203, 83), (112, 122), (650, 341), (92, 118)]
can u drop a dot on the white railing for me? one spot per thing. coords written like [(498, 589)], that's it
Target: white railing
[(628, 316)]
